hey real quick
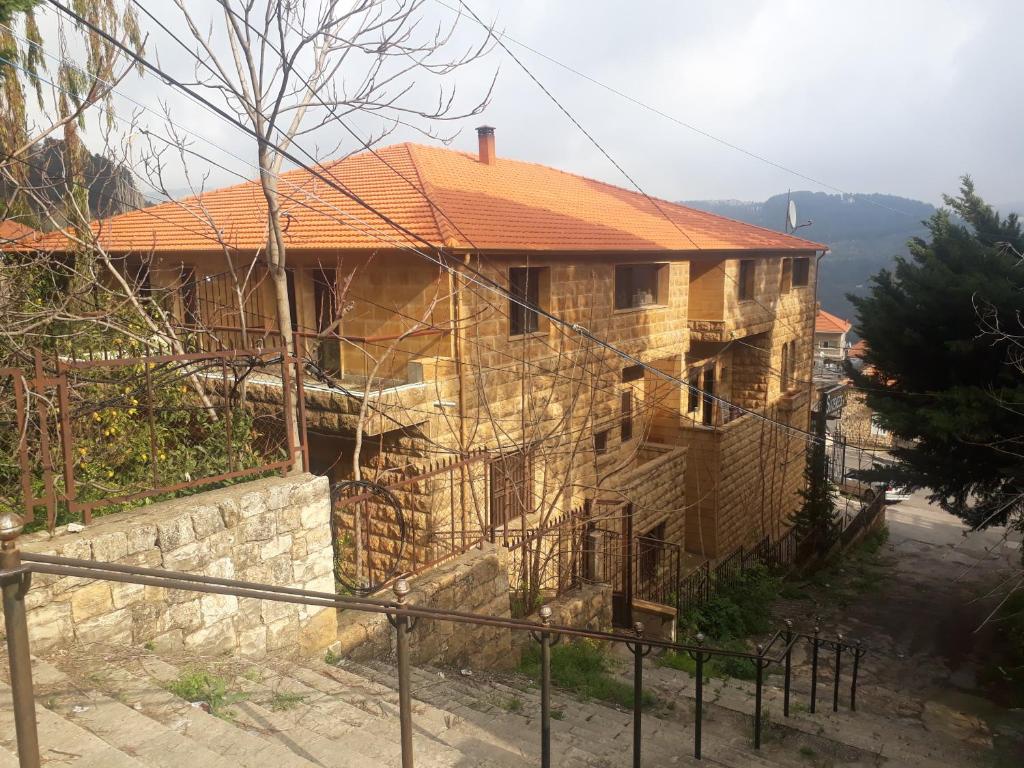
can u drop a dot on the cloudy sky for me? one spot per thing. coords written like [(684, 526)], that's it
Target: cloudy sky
[(895, 97)]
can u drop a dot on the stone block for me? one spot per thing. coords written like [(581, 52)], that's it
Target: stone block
[(175, 532), (217, 607), (168, 642), (50, 626), (91, 600), (272, 610), (315, 516), (110, 628), (186, 616), (37, 596), (206, 521), (191, 557), (278, 545), (283, 634), (319, 631), (252, 504), (230, 512), (222, 568), (110, 547), (127, 594), (252, 642), (249, 613), (289, 519), (261, 527), (141, 537), (217, 638)]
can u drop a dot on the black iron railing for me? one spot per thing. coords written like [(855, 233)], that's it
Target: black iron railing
[(16, 569)]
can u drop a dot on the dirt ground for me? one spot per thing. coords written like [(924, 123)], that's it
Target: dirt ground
[(917, 603)]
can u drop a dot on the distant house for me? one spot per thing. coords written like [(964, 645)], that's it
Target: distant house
[(830, 336)]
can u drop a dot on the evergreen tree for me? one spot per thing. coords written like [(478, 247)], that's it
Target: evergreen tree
[(943, 368), (817, 514)]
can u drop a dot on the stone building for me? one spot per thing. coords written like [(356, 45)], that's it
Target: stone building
[(426, 361)]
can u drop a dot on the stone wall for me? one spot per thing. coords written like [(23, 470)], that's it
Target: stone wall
[(856, 426), (475, 582), (274, 531)]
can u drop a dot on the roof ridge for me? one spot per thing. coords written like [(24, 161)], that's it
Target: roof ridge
[(444, 237), (608, 184)]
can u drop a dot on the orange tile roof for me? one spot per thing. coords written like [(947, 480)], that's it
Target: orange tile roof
[(826, 322), (507, 205), (859, 349), (13, 232)]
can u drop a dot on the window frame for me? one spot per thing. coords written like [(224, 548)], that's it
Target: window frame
[(626, 415), (801, 276), (523, 321), (786, 279), (747, 274), (659, 294), (601, 442)]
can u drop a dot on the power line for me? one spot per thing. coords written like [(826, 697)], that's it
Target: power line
[(440, 260), (672, 118)]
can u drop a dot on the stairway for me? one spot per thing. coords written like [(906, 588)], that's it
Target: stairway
[(111, 708)]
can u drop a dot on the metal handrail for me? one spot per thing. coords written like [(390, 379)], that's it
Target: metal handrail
[(16, 569)]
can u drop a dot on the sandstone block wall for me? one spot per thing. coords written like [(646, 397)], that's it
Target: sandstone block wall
[(274, 531), (475, 582)]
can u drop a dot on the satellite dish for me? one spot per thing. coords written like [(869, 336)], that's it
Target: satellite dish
[(791, 215)]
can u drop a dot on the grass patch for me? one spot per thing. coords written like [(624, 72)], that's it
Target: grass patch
[(202, 686), (512, 704), (716, 666), (737, 610), (862, 570), (583, 668), (282, 702)]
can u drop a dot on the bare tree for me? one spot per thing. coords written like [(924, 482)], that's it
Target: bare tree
[(285, 69)]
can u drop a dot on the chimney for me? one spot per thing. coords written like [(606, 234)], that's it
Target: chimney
[(486, 135)]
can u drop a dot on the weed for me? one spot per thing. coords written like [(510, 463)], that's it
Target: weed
[(558, 714), (254, 675), (807, 752), (149, 645), (281, 702), (513, 704), (199, 685), (739, 609), (582, 667), (332, 657)]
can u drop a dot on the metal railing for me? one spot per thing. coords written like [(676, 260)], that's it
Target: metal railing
[(16, 569), (71, 411)]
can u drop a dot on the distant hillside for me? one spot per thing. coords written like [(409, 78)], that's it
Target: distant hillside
[(864, 233)]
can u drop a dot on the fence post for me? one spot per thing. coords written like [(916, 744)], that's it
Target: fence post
[(759, 687), (14, 586), (789, 667), (815, 642), (638, 687), (545, 689), (403, 626), (857, 653), (835, 686), (698, 698)]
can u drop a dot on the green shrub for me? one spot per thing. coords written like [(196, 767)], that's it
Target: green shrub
[(583, 668), (202, 686), (741, 608)]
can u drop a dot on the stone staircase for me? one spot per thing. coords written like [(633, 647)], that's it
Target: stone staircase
[(111, 708)]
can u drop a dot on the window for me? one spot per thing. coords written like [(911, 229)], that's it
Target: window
[(632, 373), (627, 416), (524, 283), (189, 296), (784, 383), (693, 394), (640, 285), (601, 442), (746, 282), (709, 396), (801, 271), (786, 281), (510, 487)]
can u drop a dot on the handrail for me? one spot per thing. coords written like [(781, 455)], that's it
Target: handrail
[(16, 569)]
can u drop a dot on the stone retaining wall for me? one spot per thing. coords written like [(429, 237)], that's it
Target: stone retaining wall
[(275, 531), (475, 582)]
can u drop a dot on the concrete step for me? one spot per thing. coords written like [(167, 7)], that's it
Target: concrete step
[(61, 742), (128, 681)]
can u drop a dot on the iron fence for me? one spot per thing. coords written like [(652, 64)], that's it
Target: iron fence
[(16, 569), (100, 429)]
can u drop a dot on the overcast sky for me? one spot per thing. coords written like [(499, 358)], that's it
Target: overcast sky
[(894, 97)]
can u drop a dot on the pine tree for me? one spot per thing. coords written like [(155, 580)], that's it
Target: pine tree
[(816, 516), (943, 370)]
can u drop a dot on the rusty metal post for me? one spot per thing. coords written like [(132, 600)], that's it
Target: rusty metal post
[(698, 697), (815, 644), (758, 690), (545, 689), (638, 688), (835, 683), (402, 627), (15, 583), (789, 667)]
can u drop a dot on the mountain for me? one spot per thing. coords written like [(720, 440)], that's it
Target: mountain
[(864, 233), (111, 187)]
